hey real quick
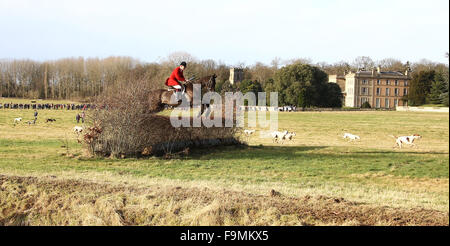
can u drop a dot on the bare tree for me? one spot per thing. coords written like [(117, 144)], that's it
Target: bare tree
[(363, 62), (391, 64)]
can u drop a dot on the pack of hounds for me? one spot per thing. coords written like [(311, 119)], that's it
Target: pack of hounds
[(278, 136), (31, 122), (282, 136), (77, 129)]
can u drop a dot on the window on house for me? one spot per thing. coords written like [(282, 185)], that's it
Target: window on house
[(377, 102), (396, 82), (387, 91), (363, 100), (395, 102), (396, 91), (387, 82), (405, 92), (406, 83), (386, 103), (378, 91), (378, 82), (365, 91)]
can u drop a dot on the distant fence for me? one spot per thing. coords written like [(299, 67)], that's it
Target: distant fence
[(262, 108), (346, 109), (423, 109)]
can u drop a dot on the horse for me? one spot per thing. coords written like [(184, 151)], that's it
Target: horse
[(160, 98)]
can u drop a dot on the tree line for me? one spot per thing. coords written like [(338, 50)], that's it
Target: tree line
[(299, 82)]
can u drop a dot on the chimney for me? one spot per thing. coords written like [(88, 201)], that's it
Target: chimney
[(408, 68), (378, 69), (407, 72)]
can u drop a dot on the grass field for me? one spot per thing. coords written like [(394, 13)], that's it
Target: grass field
[(317, 179)]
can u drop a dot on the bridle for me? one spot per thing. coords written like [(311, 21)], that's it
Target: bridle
[(209, 84)]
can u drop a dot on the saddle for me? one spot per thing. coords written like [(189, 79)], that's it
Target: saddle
[(171, 88)]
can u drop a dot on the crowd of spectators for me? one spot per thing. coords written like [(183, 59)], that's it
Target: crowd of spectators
[(57, 106)]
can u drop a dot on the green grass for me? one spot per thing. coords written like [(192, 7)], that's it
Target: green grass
[(252, 164), (318, 161)]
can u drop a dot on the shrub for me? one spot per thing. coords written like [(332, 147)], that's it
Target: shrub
[(366, 105), (122, 125)]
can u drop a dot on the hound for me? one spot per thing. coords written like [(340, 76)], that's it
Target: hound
[(78, 129), (289, 136), (17, 120), (249, 132), (406, 140), (350, 136), (277, 135)]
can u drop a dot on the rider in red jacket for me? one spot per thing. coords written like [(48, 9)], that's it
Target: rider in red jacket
[(177, 75), (175, 78)]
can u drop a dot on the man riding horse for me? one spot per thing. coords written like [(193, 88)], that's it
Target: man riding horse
[(175, 80), (158, 99)]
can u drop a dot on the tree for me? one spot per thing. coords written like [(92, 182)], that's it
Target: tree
[(340, 68), (333, 97), (444, 98), (261, 72), (219, 86), (436, 90), (420, 87), (391, 64), (250, 86), (304, 98), (302, 85), (423, 65), (268, 88), (175, 58), (275, 63), (227, 87), (366, 105), (363, 62), (439, 86)]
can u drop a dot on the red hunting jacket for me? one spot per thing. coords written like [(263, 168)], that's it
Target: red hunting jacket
[(177, 75)]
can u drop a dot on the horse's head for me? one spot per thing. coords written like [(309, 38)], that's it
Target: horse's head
[(211, 85), (207, 82)]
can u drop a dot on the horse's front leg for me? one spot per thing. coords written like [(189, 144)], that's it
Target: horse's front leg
[(200, 113), (208, 110)]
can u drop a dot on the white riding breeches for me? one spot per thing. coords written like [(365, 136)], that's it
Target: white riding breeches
[(178, 94)]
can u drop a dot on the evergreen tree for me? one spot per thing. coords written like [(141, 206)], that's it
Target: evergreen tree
[(420, 87), (366, 105), (438, 87), (304, 85)]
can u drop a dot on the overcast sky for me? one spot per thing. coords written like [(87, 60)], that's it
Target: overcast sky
[(231, 31)]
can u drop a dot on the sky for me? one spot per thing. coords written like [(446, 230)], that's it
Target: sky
[(230, 31)]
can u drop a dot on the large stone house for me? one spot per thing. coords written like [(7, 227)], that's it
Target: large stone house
[(380, 89)]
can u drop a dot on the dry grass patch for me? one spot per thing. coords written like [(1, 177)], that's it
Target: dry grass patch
[(46, 201)]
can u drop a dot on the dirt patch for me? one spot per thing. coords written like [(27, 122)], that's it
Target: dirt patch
[(48, 201)]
